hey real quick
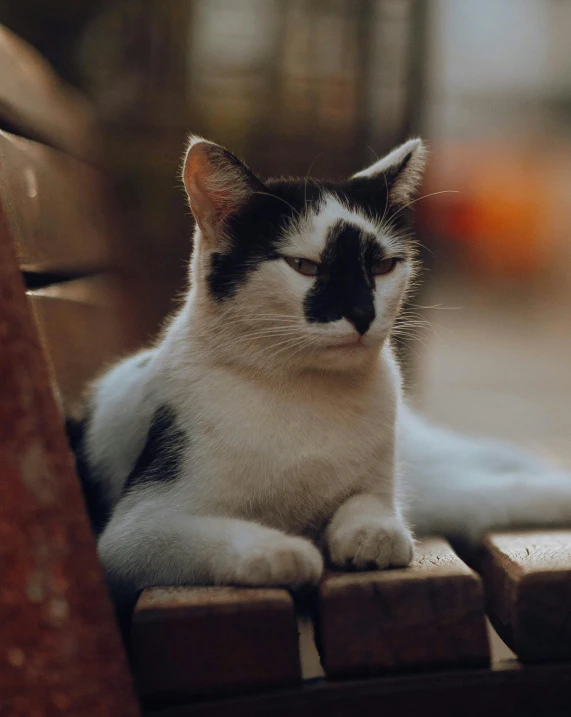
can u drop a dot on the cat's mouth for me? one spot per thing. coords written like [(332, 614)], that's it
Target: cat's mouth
[(355, 342)]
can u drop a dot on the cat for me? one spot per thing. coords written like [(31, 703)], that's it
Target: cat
[(266, 430)]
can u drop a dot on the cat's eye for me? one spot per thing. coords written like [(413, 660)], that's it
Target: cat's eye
[(303, 266), (384, 266)]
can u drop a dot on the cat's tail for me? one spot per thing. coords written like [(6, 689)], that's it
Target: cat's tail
[(462, 487)]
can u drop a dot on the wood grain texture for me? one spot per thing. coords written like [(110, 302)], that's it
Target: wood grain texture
[(60, 649), (56, 210), (506, 690), (38, 103), (527, 578), (195, 641), (427, 615), (83, 325)]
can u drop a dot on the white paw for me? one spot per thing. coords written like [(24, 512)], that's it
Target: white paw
[(283, 561), (380, 542)]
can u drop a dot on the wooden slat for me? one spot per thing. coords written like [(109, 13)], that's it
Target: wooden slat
[(192, 641), (60, 651), (506, 690), (527, 577), (83, 326), (427, 615), (55, 206), (40, 104)]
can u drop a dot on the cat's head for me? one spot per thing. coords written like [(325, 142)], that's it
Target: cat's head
[(300, 272)]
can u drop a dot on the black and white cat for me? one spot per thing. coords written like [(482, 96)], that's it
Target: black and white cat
[(266, 429)]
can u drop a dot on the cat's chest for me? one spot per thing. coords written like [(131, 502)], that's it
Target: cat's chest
[(293, 456), (241, 417), (253, 420)]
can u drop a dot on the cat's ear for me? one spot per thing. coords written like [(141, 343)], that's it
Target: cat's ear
[(399, 172), (218, 184)]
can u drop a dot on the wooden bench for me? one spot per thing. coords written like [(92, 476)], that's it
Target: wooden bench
[(400, 642), (60, 650)]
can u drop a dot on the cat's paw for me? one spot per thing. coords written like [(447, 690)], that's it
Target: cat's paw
[(284, 561), (371, 542)]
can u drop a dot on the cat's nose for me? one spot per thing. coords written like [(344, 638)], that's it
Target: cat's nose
[(361, 317)]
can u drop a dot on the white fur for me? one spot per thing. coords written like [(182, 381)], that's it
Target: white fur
[(409, 180), (298, 446), (462, 487), (280, 454), (310, 233)]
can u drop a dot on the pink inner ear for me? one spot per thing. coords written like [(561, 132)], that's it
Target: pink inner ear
[(214, 192)]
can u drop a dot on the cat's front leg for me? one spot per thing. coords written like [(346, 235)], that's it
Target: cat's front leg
[(157, 543), (365, 532)]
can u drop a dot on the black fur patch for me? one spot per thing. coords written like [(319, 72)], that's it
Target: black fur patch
[(96, 499), (255, 231), (159, 461), (345, 287)]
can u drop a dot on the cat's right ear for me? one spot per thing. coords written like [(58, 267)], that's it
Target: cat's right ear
[(399, 173), (218, 185)]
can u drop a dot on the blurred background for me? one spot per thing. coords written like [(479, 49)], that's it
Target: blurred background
[(321, 87)]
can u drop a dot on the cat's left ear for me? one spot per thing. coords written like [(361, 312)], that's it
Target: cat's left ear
[(399, 172), (218, 185)]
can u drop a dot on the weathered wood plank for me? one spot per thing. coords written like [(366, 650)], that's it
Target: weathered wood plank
[(527, 577), (60, 651), (193, 641), (428, 615), (56, 209), (505, 690), (38, 103)]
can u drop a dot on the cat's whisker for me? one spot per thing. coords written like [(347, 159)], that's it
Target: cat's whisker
[(261, 335), (419, 325), (270, 317), (232, 309), (437, 306), (425, 196), (263, 325), (386, 200), (409, 347), (252, 338), (375, 155), (416, 243), (422, 321), (411, 325), (288, 340), (271, 332), (403, 338), (301, 347), (264, 317), (409, 332), (290, 316), (311, 344), (307, 179), (288, 343), (274, 331)]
